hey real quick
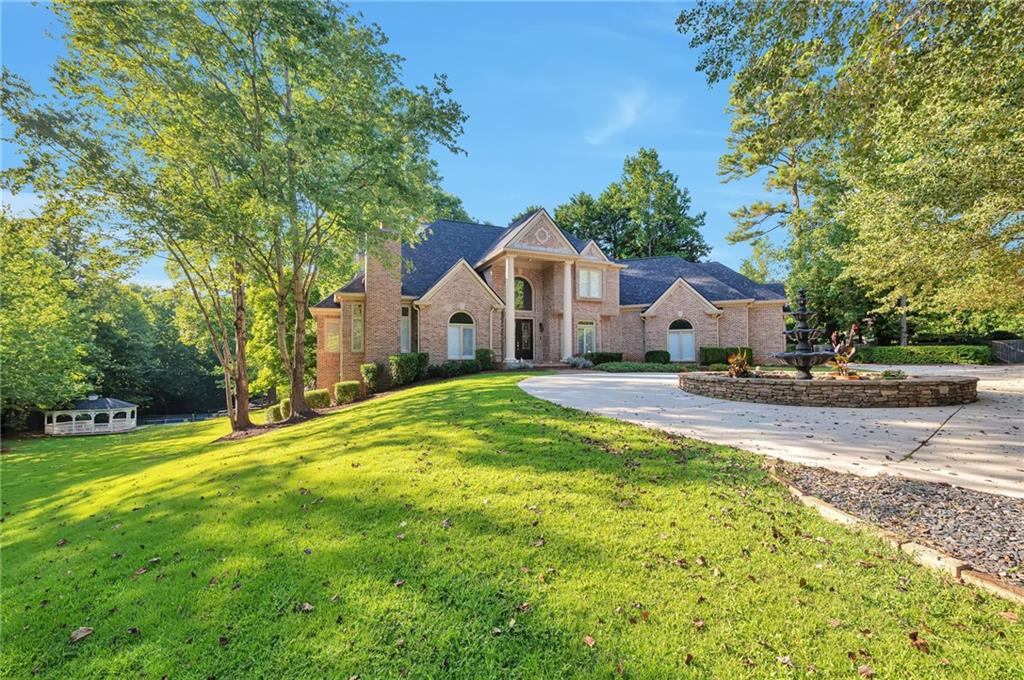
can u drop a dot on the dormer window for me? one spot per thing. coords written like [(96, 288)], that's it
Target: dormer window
[(589, 283)]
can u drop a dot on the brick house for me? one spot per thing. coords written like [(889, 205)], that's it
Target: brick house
[(451, 300)]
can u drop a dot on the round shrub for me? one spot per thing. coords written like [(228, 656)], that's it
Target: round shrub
[(273, 414), (657, 356), (346, 392), (318, 399)]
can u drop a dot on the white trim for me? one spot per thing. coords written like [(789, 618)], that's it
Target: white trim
[(514, 233), (425, 298), (680, 282), (533, 290), (593, 244), (580, 268)]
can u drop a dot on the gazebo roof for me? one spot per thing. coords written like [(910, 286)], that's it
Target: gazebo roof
[(95, 403)]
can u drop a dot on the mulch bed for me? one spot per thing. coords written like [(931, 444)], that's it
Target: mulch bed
[(985, 530)]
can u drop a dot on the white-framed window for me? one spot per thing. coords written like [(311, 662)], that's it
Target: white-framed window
[(406, 330), (357, 327), (461, 336), (524, 294), (332, 338), (589, 283), (585, 337)]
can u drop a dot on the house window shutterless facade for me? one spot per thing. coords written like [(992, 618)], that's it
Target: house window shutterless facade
[(332, 340), (589, 283), (357, 327), (585, 337), (461, 336)]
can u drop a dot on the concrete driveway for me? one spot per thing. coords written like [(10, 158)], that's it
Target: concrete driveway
[(978, 446)]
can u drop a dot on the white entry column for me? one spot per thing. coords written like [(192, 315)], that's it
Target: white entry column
[(567, 311), (510, 309)]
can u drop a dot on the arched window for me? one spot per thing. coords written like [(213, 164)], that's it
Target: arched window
[(63, 418), (682, 341), (461, 336), (83, 416), (524, 294), (120, 415), (102, 418)]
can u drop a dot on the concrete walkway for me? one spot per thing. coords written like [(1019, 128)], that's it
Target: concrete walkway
[(978, 446)]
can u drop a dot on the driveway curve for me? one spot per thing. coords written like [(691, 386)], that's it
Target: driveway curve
[(977, 446)]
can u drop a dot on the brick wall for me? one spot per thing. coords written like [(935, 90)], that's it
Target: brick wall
[(733, 327), (350, 361), (383, 304), (631, 332), (766, 323), (459, 293), (328, 364), (681, 303)]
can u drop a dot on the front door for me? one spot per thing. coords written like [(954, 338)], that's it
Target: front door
[(524, 339), (681, 346)]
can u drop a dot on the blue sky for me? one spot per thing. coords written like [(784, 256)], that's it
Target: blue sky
[(557, 95)]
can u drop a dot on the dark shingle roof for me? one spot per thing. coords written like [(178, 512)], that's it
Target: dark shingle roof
[(644, 280), (444, 243), (750, 289), (100, 403)]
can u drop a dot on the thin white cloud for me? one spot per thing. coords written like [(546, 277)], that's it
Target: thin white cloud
[(628, 109)]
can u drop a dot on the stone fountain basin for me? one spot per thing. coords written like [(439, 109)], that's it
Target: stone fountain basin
[(908, 392)]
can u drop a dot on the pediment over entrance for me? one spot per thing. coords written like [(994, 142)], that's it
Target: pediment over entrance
[(540, 233)]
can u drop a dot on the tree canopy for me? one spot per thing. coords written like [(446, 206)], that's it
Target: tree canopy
[(896, 129), (643, 214)]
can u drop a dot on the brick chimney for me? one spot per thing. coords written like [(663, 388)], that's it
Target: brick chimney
[(383, 283)]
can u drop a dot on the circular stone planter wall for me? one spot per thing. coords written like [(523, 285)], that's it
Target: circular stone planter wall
[(906, 393)]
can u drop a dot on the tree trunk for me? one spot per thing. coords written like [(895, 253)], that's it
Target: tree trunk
[(300, 410), (242, 420)]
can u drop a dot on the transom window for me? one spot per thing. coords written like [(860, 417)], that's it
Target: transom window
[(680, 325), (524, 294), (589, 283), (357, 327), (585, 337), (461, 336)]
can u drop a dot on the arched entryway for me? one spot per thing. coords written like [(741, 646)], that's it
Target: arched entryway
[(682, 341)]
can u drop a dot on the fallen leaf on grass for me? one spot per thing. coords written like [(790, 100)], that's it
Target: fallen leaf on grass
[(539, 542), (865, 671), (305, 608), (446, 523), (589, 641), (80, 633), (1010, 616), (62, 542), (222, 641), (785, 660), (496, 631), (698, 624), (918, 642), (399, 583), (140, 571), (133, 631), (688, 660)]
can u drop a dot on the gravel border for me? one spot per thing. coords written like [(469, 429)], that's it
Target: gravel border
[(985, 530)]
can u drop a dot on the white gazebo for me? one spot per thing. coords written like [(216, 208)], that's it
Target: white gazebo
[(92, 415)]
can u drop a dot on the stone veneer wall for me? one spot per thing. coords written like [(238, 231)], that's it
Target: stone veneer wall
[(910, 392)]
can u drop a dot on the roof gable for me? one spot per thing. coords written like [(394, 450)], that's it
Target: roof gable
[(460, 266), (540, 233)]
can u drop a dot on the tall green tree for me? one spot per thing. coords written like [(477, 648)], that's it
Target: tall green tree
[(645, 213), (843, 109), (43, 332)]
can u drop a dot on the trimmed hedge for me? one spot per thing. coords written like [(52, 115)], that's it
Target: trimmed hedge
[(346, 392), (422, 363), (318, 399), (718, 367), (451, 369), (404, 368), (657, 356), (273, 414), (602, 357), (720, 355), (925, 354), (646, 367), (374, 376), (486, 359)]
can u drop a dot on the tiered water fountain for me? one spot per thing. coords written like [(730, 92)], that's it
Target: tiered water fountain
[(804, 357)]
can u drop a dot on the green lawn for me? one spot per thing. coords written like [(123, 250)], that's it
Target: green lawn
[(456, 529)]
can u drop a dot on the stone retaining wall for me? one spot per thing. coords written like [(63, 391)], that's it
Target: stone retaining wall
[(909, 392)]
